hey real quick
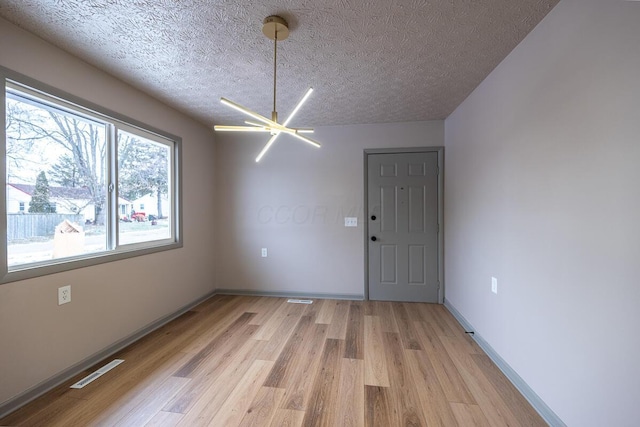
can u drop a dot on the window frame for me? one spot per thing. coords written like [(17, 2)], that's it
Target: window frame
[(83, 108)]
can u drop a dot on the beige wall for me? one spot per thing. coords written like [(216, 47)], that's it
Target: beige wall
[(542, 191), (294, 202), (111, 301)]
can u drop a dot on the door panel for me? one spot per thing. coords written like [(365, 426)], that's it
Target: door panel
[(389, 170), (416, 209), (388, 264), (388, 208), (402, 215), (417, 169), (416, 264)]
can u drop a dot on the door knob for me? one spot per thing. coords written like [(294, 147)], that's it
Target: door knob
[(374, 238)]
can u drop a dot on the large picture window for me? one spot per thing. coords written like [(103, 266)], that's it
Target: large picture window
[(82, 186)]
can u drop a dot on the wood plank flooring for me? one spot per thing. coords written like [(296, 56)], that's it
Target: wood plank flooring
[(259, 361)]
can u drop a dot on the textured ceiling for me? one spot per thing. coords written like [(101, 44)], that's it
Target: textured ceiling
[(369, 61)]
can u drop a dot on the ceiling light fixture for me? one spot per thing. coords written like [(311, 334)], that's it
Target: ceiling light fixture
[(275, 28)]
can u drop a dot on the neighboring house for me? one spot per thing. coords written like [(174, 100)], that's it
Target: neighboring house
[(124, 207), (149, 205), (17, 199), (67, 200)]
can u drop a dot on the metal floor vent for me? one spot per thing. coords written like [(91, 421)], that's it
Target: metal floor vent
[(97, 374), (300, 301)]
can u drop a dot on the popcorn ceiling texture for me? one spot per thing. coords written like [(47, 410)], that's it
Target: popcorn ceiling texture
[(370, 61)]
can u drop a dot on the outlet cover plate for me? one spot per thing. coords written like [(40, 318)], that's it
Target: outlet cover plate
[(350, 221), (64, 294), (264, 252)]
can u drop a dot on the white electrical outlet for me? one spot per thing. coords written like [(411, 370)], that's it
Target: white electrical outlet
[(64, 294), (264, 252), (494, 285), (351, 221)]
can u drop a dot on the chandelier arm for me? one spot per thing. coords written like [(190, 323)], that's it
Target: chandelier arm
[(220, 128), (267, 146), (303, 138), (258, 125), (249, 122), (295, 110), (250, 113)]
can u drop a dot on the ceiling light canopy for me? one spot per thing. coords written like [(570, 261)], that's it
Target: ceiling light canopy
[(275, 28)]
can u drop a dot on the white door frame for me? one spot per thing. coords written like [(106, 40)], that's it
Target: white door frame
[(440, 151)]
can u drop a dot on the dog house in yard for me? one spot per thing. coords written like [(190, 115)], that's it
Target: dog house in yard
[(68, 240)]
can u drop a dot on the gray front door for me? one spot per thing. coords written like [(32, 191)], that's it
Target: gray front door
[(402, 216)]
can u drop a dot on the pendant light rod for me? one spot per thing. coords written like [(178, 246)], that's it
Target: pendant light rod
[(274, 113), (276, 29)]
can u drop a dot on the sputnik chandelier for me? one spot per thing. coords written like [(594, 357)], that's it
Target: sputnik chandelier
[(276, 29)]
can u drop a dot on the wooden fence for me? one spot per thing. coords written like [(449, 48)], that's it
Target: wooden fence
[(27, 226)]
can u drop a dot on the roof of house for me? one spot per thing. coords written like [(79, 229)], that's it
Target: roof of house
[(56, 192)]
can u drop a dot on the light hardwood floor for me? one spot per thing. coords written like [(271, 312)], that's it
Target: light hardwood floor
[(258, 361)]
